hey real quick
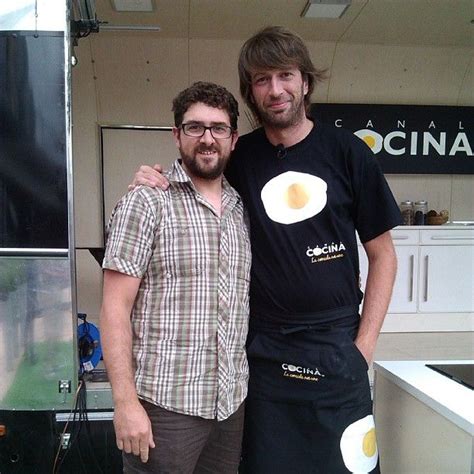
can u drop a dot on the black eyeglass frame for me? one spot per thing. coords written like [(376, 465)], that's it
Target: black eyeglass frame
[(204, 128)]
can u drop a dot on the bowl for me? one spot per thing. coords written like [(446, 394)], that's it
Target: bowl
[(436, 220)]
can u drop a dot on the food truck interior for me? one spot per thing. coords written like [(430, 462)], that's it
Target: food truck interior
[(85, 97)]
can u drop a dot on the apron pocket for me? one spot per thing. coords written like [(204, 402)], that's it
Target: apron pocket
[(308, 366)]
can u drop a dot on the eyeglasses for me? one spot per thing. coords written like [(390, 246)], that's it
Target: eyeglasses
[(197, 130)]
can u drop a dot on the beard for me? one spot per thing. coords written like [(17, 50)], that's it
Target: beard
[(288, 118), (199, 168)]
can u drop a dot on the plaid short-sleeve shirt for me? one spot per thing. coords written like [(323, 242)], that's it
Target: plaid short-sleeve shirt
[(190, 317)]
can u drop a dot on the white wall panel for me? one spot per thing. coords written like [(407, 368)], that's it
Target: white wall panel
[(462, 198), (466, 92), (398, 75), (138, 77), (85, 152), (89, 285), (216, 61), (322, 55)]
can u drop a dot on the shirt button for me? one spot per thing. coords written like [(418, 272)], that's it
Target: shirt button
[(168, 275), (183, 231)]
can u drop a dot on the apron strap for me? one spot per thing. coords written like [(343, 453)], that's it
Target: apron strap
[(319, 320)]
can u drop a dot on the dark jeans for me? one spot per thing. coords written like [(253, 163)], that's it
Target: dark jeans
[(190, 444)]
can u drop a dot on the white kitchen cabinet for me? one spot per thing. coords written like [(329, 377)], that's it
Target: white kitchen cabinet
[(446, 279), (434, 287), (404, 296), (405, 290)]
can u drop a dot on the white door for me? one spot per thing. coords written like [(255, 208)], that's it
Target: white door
[(446, 279)]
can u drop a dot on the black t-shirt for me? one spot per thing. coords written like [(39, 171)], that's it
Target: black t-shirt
[(305, 204)]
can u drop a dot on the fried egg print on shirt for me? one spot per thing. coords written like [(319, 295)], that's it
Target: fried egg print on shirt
[(294, 197)]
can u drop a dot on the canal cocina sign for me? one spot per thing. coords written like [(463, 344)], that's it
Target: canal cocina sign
[(409, 138)]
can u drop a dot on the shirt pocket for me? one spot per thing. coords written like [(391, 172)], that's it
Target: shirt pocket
[(178, 254)]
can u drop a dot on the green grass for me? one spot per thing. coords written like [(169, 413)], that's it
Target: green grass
[(35, 385)]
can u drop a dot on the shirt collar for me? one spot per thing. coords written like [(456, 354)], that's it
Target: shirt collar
[(178, 175)]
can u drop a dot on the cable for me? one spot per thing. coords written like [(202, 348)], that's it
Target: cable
[(78, 417), (76, 395), (89, 434), (79, 421)]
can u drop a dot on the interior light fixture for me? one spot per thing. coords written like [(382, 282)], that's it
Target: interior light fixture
[(325, 8), (132, 5)]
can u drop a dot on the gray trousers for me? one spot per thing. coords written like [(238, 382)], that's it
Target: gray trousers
[(189, 444)]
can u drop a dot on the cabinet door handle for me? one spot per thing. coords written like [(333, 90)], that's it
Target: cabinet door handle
[(452, 237), (426, 277), (412, 279), (400, 237)]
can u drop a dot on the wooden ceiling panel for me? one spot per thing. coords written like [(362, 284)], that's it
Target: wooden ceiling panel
[(397, 22)]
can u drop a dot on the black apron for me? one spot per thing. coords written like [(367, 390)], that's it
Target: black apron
[(309, 407)]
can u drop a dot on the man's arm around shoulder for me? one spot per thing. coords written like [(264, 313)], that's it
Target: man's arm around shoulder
[(132, 425)]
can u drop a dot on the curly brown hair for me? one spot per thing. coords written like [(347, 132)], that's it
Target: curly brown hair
[(208, 93), (276, 47)]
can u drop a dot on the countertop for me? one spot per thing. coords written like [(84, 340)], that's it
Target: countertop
[(447, 397), (448, 225)]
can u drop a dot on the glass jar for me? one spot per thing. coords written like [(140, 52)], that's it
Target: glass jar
[(406, 208), (420, 210)]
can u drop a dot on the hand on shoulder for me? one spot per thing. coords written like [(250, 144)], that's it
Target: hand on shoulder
[(149, 176)]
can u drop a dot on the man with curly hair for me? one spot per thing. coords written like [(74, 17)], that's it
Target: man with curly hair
[(174, 316)]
